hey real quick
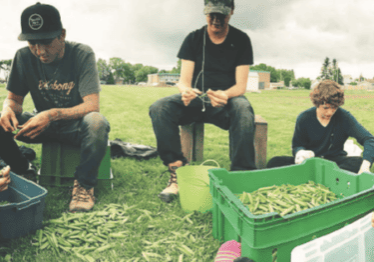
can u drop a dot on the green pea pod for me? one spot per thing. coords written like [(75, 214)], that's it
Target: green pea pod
[(286, 211)]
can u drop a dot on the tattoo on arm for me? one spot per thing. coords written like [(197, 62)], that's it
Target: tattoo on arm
[(90, 104), (12, 104)]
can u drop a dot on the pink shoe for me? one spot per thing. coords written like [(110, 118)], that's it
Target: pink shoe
[(228, 251)]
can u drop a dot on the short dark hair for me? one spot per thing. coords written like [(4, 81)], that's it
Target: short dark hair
[(327, 92)]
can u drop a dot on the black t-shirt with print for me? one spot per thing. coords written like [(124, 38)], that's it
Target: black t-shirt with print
[(221, 60), (55, 85)]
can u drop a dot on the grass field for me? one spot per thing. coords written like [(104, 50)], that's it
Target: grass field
[(158, 231)]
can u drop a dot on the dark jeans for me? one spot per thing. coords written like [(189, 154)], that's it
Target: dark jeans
[(352, 163), (237, 116), (90, 133)]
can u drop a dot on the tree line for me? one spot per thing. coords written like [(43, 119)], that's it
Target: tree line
[(116, 68)]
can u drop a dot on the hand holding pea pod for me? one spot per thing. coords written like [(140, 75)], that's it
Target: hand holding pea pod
[(4, 178)]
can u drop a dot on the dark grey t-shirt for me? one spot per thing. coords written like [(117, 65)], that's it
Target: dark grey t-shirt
[(57, 85)]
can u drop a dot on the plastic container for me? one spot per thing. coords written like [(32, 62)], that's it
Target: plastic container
[(58, 163), (193, 185), (261, 234), (24, 213), (354, 242)]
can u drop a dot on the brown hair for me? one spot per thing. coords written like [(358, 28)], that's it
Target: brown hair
[(327, 92)]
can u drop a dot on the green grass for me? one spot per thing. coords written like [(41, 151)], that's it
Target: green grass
[(137, 182)]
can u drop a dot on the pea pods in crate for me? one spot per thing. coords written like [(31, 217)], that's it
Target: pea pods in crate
[(261, 235), (24, 212)]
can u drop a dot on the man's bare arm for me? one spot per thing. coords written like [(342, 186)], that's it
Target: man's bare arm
[(12, 105), (219, 98), (91, 103), (185, 82), (14, 102), (241, 77)]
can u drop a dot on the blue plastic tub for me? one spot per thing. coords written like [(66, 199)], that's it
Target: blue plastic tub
[(24, 214)]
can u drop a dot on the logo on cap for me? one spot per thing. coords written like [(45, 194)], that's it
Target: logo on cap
[(35, 22)]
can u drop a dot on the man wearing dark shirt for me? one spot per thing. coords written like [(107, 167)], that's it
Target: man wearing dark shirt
[(322, 130), (63, 82), (214, 73)]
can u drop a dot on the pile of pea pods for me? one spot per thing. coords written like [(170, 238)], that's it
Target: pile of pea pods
[(287, 199)]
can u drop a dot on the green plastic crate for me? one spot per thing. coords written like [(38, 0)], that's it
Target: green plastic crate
[(261, 234), (58, 163)]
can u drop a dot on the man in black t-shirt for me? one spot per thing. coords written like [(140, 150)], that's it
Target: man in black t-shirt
[(214, 73), (63, 82)]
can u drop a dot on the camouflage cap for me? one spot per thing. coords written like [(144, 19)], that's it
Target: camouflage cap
[(218, 6)]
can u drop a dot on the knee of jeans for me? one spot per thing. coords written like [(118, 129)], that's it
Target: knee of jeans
[(96, 123), (156, 107), (159, 109), (242, 108)]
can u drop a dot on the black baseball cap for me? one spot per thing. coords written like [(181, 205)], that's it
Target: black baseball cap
[(40, 21)]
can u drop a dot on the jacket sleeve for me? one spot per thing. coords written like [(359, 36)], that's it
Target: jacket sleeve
[(364, 137), (300, 139)]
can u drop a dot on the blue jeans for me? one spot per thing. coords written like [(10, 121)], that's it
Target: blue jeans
[(237, 117), (90, 133)]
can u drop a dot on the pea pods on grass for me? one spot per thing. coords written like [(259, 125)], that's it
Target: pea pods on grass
[(83, 233)]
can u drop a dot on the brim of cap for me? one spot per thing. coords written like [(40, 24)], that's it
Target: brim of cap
[(39, 36), (217, 9)]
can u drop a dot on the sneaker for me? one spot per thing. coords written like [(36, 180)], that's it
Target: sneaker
[(171, 191), (30, 173), (82, 199)]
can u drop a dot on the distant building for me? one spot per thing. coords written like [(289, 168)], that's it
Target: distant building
[(119, 81), (277, 85), (347, 79), (252, 83), (314, 84), (162, 79)]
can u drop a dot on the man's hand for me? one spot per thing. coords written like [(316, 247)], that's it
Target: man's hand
[(301, 155), (217, 98), (4, 178), (372, 220), (189, 95), (8, 120), (35, 126), (365, 167)]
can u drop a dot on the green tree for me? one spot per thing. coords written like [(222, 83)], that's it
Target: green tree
[(103, 69), (5, 65), (326, 69), (177, 70), (302, 82), (285, 75), (287, 81), (336, 73), (361, 78), (134, 69), (142, 74), (110, 80), (274, 76), (120, 69)]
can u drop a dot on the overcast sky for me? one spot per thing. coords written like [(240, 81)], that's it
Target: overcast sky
[(289, 34)]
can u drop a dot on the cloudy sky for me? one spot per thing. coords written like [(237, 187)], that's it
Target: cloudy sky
[(289, 34)]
